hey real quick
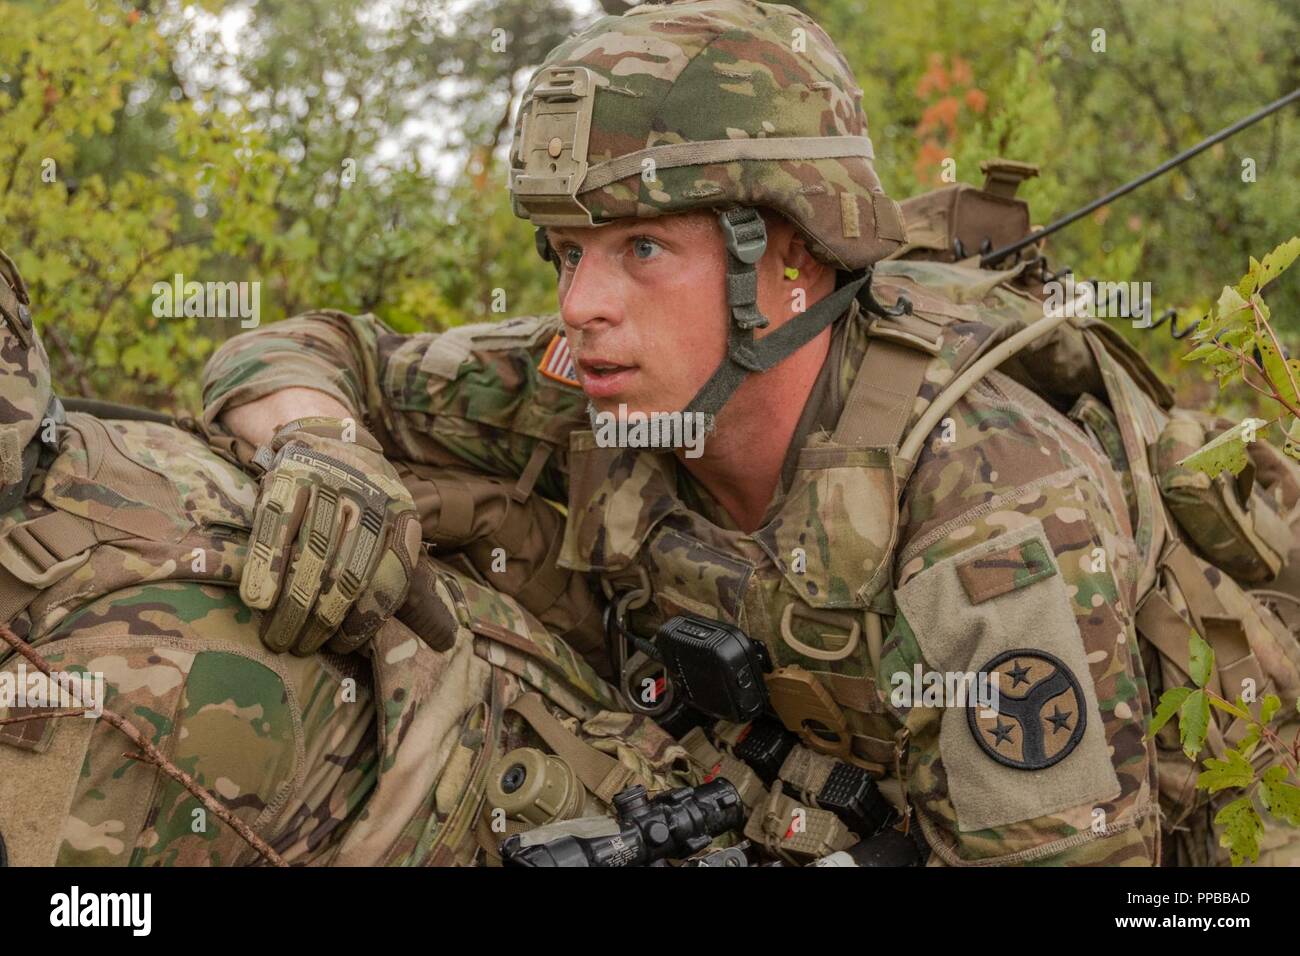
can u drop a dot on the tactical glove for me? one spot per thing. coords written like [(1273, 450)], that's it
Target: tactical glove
[(335, 538)]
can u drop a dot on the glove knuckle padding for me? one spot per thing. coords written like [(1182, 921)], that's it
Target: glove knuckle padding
[(350, 552), (278, 514)]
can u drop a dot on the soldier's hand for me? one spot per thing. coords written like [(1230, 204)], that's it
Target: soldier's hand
[(335, 538)]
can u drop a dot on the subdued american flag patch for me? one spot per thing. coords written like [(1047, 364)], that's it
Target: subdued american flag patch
[(557, 361)]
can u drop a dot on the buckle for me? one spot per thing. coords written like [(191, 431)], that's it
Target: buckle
[(553, 138), (23, 556), (827, 618), (1003, 176), (744, 232)]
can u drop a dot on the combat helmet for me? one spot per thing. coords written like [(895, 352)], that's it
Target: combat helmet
[(26, 395), (720, 104)]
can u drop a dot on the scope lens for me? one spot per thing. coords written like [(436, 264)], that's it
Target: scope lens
[(513, 778)]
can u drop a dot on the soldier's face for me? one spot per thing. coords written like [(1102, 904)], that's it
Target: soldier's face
[(645, 306)]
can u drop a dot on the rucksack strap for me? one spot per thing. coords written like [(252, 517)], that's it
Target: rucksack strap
[(599, 772), (1167, 630), (881, 399), (38, 553)]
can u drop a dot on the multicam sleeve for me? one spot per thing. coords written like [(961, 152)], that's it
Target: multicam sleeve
[(1014, 580), (484, 395)]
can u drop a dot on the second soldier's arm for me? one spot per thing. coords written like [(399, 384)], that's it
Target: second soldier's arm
[(474, 399), (474, 396)]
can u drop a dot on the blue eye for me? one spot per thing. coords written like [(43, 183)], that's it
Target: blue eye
[(571, 256), (644, 248)]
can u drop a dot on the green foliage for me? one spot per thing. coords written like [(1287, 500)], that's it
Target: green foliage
[(1226, 452), (135, 145), (1094, 118), (178, 153), (1237, 339), (1239, 822)]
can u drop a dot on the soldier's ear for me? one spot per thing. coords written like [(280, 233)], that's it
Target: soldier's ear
[(799, 258), (790, 249)]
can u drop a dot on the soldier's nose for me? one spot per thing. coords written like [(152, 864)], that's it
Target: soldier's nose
[(591, 295)]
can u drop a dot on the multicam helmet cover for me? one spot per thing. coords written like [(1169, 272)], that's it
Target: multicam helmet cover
[(707, 104)]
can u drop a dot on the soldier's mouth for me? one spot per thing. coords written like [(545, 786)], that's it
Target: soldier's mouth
[(602, 379)]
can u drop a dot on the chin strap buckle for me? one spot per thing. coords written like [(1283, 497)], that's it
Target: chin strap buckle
[(745, 233)]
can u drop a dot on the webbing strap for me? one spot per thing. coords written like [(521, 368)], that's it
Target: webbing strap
[(37, 554), (1234, 660), (528, 477), (490, 841), (14, 596), (540, 592), (707, 152), (744, 355), (456, 509), (746, 239), (884, 391), (600, 773)]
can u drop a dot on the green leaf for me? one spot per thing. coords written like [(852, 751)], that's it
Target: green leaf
[(1249, 281), (1228, 374), (1231, 303), (1235, 771), (1269, 706), (1280, 798), (1241, 828), (1201, 351), (1277, 261), (1275, 774), (1194, 723), (1261, 307), (1202, 659), (1237, 338), (1170, 701), (1250, 741), (1227, 452), (1223, 357), (1283, 375), (1237, 710)]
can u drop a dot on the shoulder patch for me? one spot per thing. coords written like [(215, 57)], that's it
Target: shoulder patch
[(1020, 732), (557, 361)]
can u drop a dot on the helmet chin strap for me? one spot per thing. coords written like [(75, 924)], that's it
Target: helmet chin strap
[(746, 239)]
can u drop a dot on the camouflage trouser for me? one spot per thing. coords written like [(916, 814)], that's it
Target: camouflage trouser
[(292, 746)]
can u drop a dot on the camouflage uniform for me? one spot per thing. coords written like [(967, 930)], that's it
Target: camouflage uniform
[(122, 558), (1025, 536)]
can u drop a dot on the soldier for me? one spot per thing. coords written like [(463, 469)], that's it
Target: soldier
[(122, 543), (875, 502)]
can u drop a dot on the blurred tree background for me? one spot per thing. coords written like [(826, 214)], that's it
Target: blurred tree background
[(349, 153)]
